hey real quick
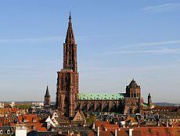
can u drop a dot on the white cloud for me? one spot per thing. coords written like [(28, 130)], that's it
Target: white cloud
[(150, 44), (45, 39), (155, 51), (41, 39), (162, 7), (103, 71), (158, 48)]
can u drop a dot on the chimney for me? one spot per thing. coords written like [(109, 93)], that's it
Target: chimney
[(94, 126), (116, 132), (98, 131), (167, 124), (130, 131)]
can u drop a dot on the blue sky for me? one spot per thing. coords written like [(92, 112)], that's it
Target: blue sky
[(117, 41)]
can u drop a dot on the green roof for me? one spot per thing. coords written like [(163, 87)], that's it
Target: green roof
[(145, 104), (101, 96)]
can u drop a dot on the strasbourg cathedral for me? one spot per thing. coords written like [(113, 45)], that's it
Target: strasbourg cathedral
[(69, 101)]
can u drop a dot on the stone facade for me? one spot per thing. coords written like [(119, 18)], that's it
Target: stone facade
[(68, 77), (133, 98), (69, 100), (125, 103)]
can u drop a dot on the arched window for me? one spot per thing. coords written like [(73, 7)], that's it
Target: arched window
[(131, 94)]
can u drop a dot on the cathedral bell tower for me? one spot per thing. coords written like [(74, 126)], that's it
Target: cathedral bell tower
[(133, 98), (68, 77), (133, 90)]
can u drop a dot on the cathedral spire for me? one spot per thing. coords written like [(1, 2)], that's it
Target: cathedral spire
[(47, 98), (47, 92), (149, 96), (70, 34), (68, 77), (70, 49)]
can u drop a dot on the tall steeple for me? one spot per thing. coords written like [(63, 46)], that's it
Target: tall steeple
[(70, 35), (47, 92), (47, 98), (68, 77), (70, 49)]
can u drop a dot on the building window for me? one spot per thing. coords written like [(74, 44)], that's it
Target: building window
[(8, 131), (132, 95)]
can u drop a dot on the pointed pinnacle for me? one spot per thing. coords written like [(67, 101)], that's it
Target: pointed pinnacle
[(70, 15)]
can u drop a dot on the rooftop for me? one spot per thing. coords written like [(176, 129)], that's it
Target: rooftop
[(101, 96), (133, 84)]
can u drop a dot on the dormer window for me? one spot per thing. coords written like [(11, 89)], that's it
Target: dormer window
[(8, 131)]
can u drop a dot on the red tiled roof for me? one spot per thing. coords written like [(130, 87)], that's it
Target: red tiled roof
[(31, 121), (106, 133), (165, 108), (145, 131), (111, 126), (157, 131), (7, 110), (28, 118), (30, 126), (122, 132), (99, 123), (90, 133)]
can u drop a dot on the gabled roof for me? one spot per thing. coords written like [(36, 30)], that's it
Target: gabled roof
[(28, 118), (79, 116)]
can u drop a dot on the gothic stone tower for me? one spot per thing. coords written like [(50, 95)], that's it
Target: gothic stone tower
[(47, 98), (150, 104), (68, 77), (133, 98)]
